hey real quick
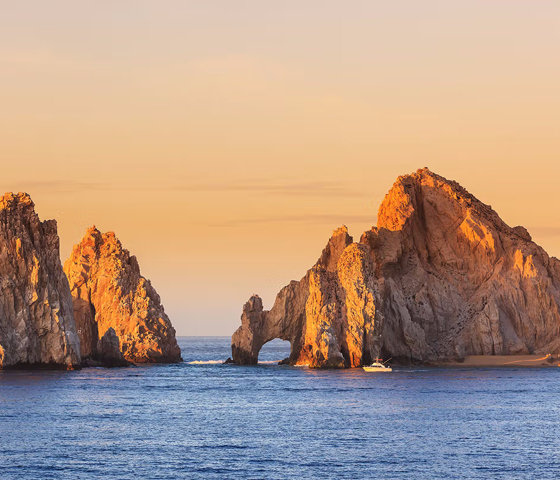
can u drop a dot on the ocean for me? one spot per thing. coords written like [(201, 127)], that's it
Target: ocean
[(206, 420)]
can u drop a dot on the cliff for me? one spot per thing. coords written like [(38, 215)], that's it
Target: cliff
[(109, 292), (36, 318), (440, 277)]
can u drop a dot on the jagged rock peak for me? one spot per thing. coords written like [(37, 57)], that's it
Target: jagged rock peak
[(109, 292), (404, 198), (36, 319), (339, 240), (22, 199)]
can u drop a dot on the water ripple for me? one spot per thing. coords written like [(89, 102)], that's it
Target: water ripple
[(214, 421)]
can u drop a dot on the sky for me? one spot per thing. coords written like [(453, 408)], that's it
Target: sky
[(224, 141)]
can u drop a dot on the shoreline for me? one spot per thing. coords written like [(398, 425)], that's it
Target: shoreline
[(529, 361)]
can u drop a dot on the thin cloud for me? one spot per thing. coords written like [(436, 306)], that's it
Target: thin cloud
[(57, 186), (314, 219), (257, 186), (282, 188)]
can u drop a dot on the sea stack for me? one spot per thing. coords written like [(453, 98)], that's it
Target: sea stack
[(109, 292), (36, 317), (440, 277)]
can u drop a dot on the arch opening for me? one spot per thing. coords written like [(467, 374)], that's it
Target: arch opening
[(275, 351)]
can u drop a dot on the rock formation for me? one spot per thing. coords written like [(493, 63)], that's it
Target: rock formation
[(108, 352), (440, 277), (109, 292), (329, 316), (36, 319)]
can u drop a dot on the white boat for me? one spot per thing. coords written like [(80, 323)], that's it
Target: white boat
[(378, 366)]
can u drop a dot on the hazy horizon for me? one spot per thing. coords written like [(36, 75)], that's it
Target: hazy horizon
[(223, 142)]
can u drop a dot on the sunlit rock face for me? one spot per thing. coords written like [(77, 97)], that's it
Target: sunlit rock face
[(458, 280), (329, 316), (36, 317), (109, 292), (440, 277)]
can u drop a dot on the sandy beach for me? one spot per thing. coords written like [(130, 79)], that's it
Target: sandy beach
[(505, 361)]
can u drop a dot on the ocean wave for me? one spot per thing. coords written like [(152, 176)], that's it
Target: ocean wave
[(206, 362), (219, 362)]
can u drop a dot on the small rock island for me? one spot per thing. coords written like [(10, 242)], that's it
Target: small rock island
[(36, 321), (109, 293)]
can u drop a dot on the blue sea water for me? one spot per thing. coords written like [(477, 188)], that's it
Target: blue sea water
[(213, 421)]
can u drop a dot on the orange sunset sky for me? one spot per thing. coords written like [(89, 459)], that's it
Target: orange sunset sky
[(223, 141)]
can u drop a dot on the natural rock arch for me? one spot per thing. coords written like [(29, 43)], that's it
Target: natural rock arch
[(442, 276), (328, 316)]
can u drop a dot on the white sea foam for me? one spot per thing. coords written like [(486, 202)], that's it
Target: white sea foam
[(207, 362)]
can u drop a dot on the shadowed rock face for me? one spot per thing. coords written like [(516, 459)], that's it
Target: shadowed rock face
[(109, 351), (36, 318), (109, 292), (441, 276)]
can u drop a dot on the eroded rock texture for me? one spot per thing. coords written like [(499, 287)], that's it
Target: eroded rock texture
[(36, 317), (329, 316), (109, 292), (440, 277)]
